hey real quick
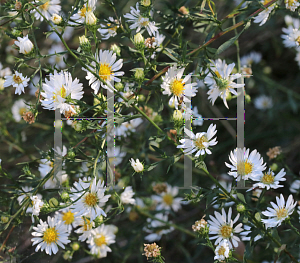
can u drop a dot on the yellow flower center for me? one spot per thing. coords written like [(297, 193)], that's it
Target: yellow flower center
[(244, 168), (168, 199), (298, 40), (62, 93), (91, 199), (290, 2), (100, 240), (105, 71), (268, 178), (68, 217), (177, 87), (22, 111), (50, 235), (221, 251), (83, 11), (87, 224), (17, 79), (199, 142), (281, 213), (45, 6), (145, 21), (226, 231)]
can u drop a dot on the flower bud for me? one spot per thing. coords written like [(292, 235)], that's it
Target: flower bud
[(53, 202), (177, 115), (90, 18), (98, 220), (56, 19), (274, 167), (83, 40), (138, 41), (137, 165), (248, 98), (64, 196), (75, 246), (146, 3), (139, 74), (116, 49), (4, 219), (240, 208), (24, 44)]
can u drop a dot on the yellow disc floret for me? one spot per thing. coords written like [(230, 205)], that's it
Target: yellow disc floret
[(177, 87), (168, 199), (100, 240), (91, 199), (105, 71), (226, 231), (199, 142), (68, 217), (50, 235)]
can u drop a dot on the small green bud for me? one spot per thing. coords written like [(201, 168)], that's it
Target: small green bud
[(240, 208), (177, 115), (119, 86), (138, 41), (53, 202), (84, 43), (64, 196), (116, 49), (146, 3), (157, 118), (139, 74), (248, 98), (75, 246), (267, 70), (71, 154), (4, 219), (16, 33), (98, 220), (141, 97), (274, 167)]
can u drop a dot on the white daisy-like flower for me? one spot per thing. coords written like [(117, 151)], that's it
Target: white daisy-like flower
[(155, 228), (221, 83), (48, 9), (263, 102), (291, 4), (24, 44), (138, 21), (69, 218), (109, 29), (279, 212), (59, 89), (18, 109), (57, 59), (81, 15), (50, 234), (107, 69), (168, 200), (86, 226), (197, 118), (245, 166), (295, 186), (37, 204), (91, 198), (200, 142), (100, 239), (263, 16), (291, 37), (223, 229), (17, 81), (252, 58), (222, 251), (126, 196), (269, 180), (137, 165), (129, 126), (173, 85)]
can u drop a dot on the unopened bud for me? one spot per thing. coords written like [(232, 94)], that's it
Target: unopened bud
[(64, 196), (139, 73), (177, 115), (75, 246), (56, 19), (138, 41), (274, 167), (90, 18), (53, 202), (146, 3), (119, 86), (116, 49), (240, 208), (4, 219)]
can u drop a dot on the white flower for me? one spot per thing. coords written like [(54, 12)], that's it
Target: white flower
[(137, 165), (269, 180), (223, 229), (58, 89), (263, 102), (295, 186), (107, 69), (68, 218), (18, 109), (56, 19), (17, 81), (109, 29), (222, 251), (37, 204), (279, 212), (252, 58), (48, 9), (262, 17), (291, 37), (221, 83), (85, 229), (155, 228), (129, 126), (291, 4), (138, 21), (166, 200), (24, 44), (173, 85), (4, 71), (90, 18), (198, 121), (80, 16), (200, 142), (49, 235), (126, 196), (245, 166), (100, 239), (222, 197), (91, 198), (57, 59)]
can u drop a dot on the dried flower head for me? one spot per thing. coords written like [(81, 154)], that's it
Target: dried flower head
[(151, 250), (273, 152), (28, 117), (199, 225), (70, 113), (18, 5), (37, 94), (160, 188), (150, 42), (183, 10)]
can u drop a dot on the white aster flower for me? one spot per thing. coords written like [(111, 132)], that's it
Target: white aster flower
[(279, 212), (24, 44), (81, 15), (57, 59), (56, 19), (48, 9), (91, 198), (168, 200), (262, 17), (109, 29), (252, 58), (223, 229), (126, 196), (137, 165), (221, 83), (68, 218), (107, 69), (291, 4), (173, 85), (222, 251), (85, 228), (18, 109), (269, 180), (49, 235), (59, 89), (37, 204), (295, 186), (100, 239), (17, 81), (291, 37), (138, 21), (200, 142), (263, 102), (245, 166), (198, 121), (90, 18)]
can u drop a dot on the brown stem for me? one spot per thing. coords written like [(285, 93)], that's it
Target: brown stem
[(10, 231)]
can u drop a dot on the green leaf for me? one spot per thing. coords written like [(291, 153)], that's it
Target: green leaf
[(174, 159), (241, 197)]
